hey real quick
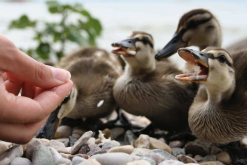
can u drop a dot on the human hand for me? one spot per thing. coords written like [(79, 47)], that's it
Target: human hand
[(43, 88)]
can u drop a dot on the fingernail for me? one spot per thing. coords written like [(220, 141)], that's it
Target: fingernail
[(61, 74)]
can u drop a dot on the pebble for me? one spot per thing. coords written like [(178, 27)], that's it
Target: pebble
[(58, 135), (77, 160), (94, 148), (224, 157), (215, 150), (186, 159), (178, 151), (156, 144), (113, 158), (90, 162), (42, 155), (140, 152), (142, 142), (107, 133), (176, 144), (15, 151), (116, 132), (125, 149), (155, 156), (139, 162), (210, 158), (4, 146), (65, 141), (45, 141), (5, 161), (151, 161), (77, 133), (212, 163), (57, 158), (197, 148), (91, 141), (64, 130), (108, 145), (59, 146), (71, 141), (129, 138), (198, 158), (84, 149), (164, 153), (31, 146), (171, 162), (83, 139), (20, 161)]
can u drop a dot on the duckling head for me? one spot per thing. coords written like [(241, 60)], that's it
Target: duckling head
[(197, 27), (215, 68), (137, 51)]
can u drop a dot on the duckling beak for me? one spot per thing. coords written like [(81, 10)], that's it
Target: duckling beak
[(50, 127), (173, 45), (197, 58), (126, 47)]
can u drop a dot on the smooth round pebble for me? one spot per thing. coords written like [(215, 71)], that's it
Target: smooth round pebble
[(139, 162), (42, 155), (151, 161), (155, 156), (156, 144), (224, 157), (77, 160), (176, 144), (20, 161), (125, 149), (142, 142), (59, 146), (91, 141), (178, 151), (90, 162), (113, 158), (164, 153), (140, 152), (171, 162), (116, 132), (12, 153), (31, 146), (212, 163), (65, 131), (187, 159), (45, 141)]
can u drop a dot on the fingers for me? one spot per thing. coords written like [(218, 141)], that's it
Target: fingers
[(13, 88), (28, 90), (20, 133), (25, 110), (23, 67)]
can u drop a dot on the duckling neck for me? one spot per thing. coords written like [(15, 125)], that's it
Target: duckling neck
[(139, 67)]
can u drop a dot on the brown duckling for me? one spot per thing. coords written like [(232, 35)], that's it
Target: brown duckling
[(219, 111), (198, 27), (148, 87)]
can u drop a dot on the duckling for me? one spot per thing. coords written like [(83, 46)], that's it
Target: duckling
[(93, 72), (198, 27), (148, 87), (219, 111)]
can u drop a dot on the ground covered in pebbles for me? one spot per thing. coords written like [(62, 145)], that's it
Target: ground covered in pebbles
[(116, 146)]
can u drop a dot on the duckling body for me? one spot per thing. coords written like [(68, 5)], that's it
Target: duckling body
[(148, 88), (219, 111), (93, 72)]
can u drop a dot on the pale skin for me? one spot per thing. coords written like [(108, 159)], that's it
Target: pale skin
[(42, 87)]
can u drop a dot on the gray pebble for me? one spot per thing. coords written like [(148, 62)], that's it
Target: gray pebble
[(151, 161), (77, 160), (210, 158), (164, 153), (83, 139), (30, 148), (57, 158), (42, 155), (197, 148), (12, 153), (178, 151), (84, 149), (130, 138), (155, 156), (94, 148), (71, 141), (20, 161), (113, 158), (171, 162)]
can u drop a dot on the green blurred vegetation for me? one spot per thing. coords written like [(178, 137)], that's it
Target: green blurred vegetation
[(83, 31)]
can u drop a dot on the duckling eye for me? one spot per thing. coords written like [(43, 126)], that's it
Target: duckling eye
[(222, 58), (145, 41)]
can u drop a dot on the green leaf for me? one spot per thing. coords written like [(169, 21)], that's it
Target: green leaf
[(43, 50), (56, 37), (75, 36), (22, 22), (59, 55)]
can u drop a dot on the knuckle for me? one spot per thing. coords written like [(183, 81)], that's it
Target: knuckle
[(40, 72)]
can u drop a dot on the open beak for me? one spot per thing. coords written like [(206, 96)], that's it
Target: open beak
[(196, 58), (126, 48), (173, 45)]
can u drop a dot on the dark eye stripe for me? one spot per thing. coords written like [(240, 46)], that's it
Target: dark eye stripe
[(145, 39), (193, 24), (211, 56)]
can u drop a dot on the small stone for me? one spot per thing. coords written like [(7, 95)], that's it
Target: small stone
[(45, 141), (108, 145), (215, 150), (197, 147), (84, 138), (42, 155), (224, 157), (186, 159), (84, 149), (178, 151), (59, 146), (162, 140), (5, 161), (171, 162), (128, 149), (82, 156), (65, 141), (58, 135), (20, 161), (142, 142), (210, 158), (113, 158), (77, 160), (90, 162), (198, 158), (4, 146), (156, 144), (15, 151), (57, 158), (107, 133), (64, 130), (116, 132), (94, 148), (97, 141), (129, 138), (91, 141), (77, 133), (164, 153), (212, 163), (31, 146), (155, 156), (140, 152), (139, 162), (176, 144), (71, 141), (151, 161)]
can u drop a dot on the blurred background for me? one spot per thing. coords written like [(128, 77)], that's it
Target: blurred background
[(101, 22)]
